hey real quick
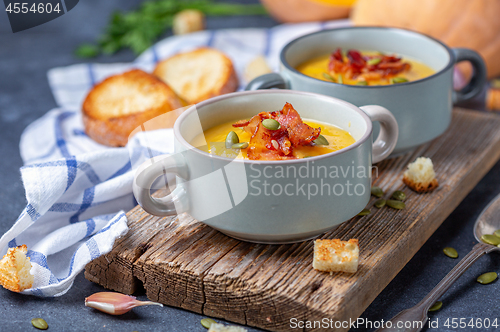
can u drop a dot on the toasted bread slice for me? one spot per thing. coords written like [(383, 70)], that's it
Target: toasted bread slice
[(15, 269), (121, 103), (198, 75), (336, 255), (420, 175)]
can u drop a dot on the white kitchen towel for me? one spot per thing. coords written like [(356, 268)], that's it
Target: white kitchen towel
[(76, 189)]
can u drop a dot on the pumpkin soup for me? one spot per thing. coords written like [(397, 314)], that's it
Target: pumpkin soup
[(364, 68), (279, 135)]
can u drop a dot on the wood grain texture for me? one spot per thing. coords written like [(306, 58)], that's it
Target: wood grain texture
[(184, 263)]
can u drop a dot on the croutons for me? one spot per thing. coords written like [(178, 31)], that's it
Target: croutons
[(256, 67), (198, 75), (336, 255), (216, 327), (15, 269), (420, 175), (121, 103), (187, 21)]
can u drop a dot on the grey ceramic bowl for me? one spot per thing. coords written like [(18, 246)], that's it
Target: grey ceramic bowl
[(269, 201), (422, 108)]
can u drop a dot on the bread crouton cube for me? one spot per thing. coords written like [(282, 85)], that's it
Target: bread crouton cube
[(420, 175), (336, 255), (15, 269)]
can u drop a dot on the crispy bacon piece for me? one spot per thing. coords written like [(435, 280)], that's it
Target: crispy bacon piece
[(277, 144), (356, 65)]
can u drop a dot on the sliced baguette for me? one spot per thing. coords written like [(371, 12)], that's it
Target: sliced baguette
[(121, 103), (198, 75)]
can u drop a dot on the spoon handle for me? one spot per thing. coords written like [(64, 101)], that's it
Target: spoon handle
[(413, 319)]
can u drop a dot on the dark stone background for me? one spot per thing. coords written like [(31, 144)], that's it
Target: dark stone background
[(25, 96)]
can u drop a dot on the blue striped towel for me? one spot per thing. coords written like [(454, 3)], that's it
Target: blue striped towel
[(77, 190)]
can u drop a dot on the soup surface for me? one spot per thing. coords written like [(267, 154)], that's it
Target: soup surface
[(287, 142), (364, 68)]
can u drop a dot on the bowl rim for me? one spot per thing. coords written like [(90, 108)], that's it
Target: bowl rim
[(193, 108), (450, 63)]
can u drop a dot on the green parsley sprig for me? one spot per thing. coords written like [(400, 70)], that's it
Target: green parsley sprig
[(140, 28)]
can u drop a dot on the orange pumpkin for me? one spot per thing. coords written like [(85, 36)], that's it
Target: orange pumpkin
[(473, 24), (292, 11)]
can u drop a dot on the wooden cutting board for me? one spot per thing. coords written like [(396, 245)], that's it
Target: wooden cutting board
[(184, 263)]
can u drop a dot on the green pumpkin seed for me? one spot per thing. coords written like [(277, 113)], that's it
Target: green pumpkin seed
[(399, 195), (340, 80), (490, 239), (271, 124), (328, 77), (321, 140), (497, 233), (231, 138), (486, 278), (207, 322), (380, 203), (39, 323), (377, 192), (362, 83), (374, 61), (450, 252), (242, 145), (364, 212), (398, 205), (436, 306), (397, 80)]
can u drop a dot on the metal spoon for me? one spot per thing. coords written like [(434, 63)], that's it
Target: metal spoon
[(487, 223)]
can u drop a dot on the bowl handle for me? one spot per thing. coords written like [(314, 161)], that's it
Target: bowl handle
[(478, 79), (172, 204), (388, 136), (267, 81)]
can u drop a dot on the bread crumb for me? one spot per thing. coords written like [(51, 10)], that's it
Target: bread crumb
[(336, 255), (15, 269), (420, 175), (216, 327)]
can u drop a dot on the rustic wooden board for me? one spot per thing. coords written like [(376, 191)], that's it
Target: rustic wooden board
[(184, 263)]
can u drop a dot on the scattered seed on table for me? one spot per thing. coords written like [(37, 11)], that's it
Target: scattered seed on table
[(39, 323), (207, 322), (436, 306), (487, 278), (450, 252)]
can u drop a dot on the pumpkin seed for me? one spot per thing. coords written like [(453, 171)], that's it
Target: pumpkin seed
[(486, 278), (374, 61), (377, 191), (396, 80), (207, 322), (362, 83), (450, 252), (271, 124), (399, 195), (231, 138), (380, 203), (39, 323), (436, 306), (328, 77), (398, 205), (497, 233), (340, 80), (364, 212), (321, 140), (242, 145), (490, 239)]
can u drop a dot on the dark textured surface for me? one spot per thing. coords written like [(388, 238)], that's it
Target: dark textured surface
[(25, 58)]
